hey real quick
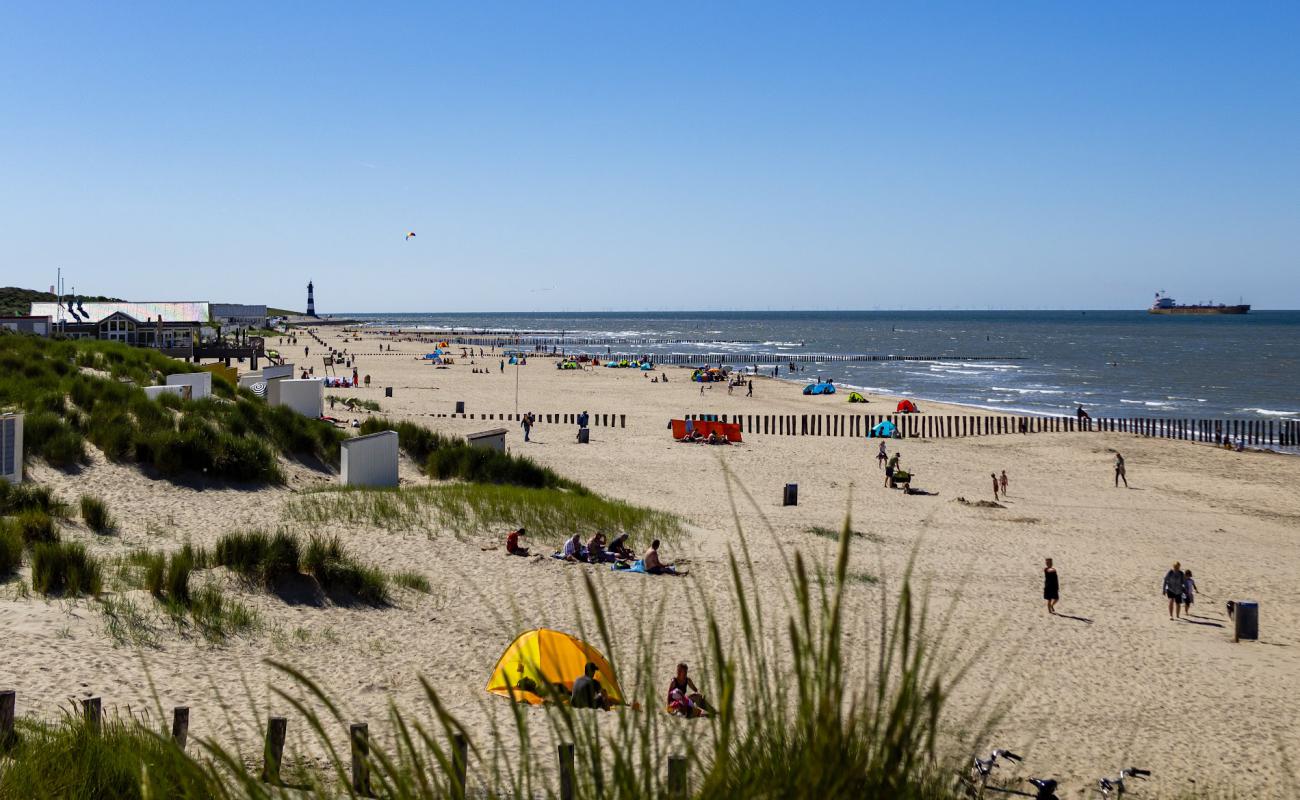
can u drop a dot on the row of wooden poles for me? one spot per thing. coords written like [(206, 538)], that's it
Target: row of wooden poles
[(594, 420), (277, 729), (696, 359), (1283, 433), (485, 339)]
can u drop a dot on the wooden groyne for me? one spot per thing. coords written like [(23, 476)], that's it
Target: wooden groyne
[(1249, 432), (594, 421), (742, 359)]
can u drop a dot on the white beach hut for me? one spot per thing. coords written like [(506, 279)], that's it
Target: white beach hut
[(369, 460)]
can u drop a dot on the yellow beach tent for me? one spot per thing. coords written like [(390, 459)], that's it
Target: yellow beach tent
[(543, 657)]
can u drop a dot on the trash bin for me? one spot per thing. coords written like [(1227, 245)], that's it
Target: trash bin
[(584, 435), (1246, 621), (460, 406), (388, 391), (791, 497)]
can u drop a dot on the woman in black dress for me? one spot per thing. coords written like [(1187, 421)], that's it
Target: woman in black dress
[(1051, 587)]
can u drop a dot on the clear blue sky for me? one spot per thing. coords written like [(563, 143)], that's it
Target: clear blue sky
[(702, 155)]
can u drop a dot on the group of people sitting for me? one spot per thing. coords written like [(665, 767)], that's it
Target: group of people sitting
[(696, 437), (684, 698), (597, 550)]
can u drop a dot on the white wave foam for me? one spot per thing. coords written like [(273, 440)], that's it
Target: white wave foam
[(1268, 412)]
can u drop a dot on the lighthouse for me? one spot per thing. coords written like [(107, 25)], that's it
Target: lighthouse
[(311, 301)]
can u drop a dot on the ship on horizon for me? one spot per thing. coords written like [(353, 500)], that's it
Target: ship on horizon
[(1164, 304)]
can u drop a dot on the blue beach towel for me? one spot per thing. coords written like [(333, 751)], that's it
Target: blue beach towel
[(637, 566)]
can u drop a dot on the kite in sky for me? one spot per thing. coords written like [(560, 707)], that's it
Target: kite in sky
[(410, 235)]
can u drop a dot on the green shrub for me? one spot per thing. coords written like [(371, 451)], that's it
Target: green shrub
[(36, 527), (47, 435), (95, 514), (415, 440), (65, 568), (11, 548), (481, 465), (218, 618)]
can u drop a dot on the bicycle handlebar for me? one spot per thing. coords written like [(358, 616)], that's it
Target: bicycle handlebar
[(1007, 754)]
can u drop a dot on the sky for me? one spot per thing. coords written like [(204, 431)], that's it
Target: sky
[(556, 156)]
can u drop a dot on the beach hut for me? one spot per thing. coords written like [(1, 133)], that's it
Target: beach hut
[(494, 439), (542, 664), (11, 448), (304, 396), (369, 460), (200, 383), (154, 392)]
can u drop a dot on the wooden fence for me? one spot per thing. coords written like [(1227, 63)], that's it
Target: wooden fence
[(741, 359), (1282, 433), (594, 420), (359, 740)]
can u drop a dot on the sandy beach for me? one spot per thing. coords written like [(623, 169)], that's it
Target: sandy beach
[(1110, 681)]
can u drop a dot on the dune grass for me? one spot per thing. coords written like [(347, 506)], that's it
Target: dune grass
[(11, 548), (265, 560), (414, 581), (76, 392), (36, 527), (467, 509), (30, 497), (94, 512), (65, 568), (335, 570)]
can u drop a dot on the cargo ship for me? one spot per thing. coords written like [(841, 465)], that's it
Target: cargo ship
[(1165, 304)]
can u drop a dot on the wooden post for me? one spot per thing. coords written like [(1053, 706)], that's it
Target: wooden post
[(622, 420), (92, 710), (676, 776), (359, 736), (459, 759), (180, 725), (566, 772), (8, 704), (273, 749)]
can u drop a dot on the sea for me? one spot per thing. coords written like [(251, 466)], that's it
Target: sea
[(1113, 363)]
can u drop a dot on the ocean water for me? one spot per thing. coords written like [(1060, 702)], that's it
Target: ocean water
[(1114, 363)]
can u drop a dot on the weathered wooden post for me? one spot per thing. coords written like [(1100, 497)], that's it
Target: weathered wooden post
[(677, 776), (273, 749), (180, 725), (8, 704), (359, 737), (459, 761), (92, 711), (566, 772)]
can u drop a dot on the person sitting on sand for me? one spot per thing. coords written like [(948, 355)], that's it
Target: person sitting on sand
[(587, 692), (653, 565), (619, 549), (512, 543), (684, 699), (713, 437), (596, 552), (573, 548)]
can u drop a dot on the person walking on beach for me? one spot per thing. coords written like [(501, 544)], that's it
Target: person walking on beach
[(881, 456), (1175, 579), (503, 365), (1119, 471), (1003, 481), (994, 476), (1189, 592), (1051, 587), (527, 423), (750, 391)]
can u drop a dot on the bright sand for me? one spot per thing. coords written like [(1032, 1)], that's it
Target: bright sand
[(1081, 698)]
